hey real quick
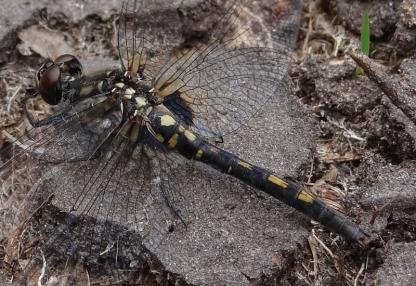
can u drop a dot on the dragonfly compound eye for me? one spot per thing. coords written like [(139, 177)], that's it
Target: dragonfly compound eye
[(49, 83), (45, 66), (69, 64)]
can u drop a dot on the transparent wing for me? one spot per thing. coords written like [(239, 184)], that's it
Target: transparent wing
[(73, 134), (219, 85), (142, 48), (121, 186), (227, 87), (126, 192), (224, 83)]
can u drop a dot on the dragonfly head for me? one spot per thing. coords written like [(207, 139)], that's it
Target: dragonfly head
[(52, 73)]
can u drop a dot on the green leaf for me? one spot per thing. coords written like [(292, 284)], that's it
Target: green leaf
[(358, 71), (364, 40), (365, 34)]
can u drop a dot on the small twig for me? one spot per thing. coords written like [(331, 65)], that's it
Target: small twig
[(107, 249), (13, 173), (358, 275), (9, 104), (42, 274), (323, 245), (310, 172), (377, 210), (312, 245), (117, 250), (335, 240), (308, 31), (14, 140), (305, 267), (348, 133), (392, 88)]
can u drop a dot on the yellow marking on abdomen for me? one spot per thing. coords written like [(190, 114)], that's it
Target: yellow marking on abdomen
[(277, 181), (167, 120), (245, 165), (173, 141), (181, 129), (86, 90), (199, 154), (160, 138), (229, 169), (189, 135), (305, 197)]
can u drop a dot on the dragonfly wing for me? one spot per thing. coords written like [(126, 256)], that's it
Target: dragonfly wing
[(99, 205), (74, 134), (222, 84), (142, 48)]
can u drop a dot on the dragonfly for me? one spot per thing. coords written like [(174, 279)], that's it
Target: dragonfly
[(119, 136)]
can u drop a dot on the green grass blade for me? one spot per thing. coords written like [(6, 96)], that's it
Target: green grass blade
[(365, 34), (364, 40)]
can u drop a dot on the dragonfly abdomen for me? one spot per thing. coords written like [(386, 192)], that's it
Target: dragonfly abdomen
[(176, 136), (285, 191)]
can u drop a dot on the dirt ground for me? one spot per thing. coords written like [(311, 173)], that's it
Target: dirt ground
[(351, 139)]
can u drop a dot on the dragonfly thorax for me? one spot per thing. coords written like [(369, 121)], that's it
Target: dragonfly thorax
[(136, 98)]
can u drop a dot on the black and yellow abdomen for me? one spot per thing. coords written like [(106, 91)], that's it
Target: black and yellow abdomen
[(175, 136)]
